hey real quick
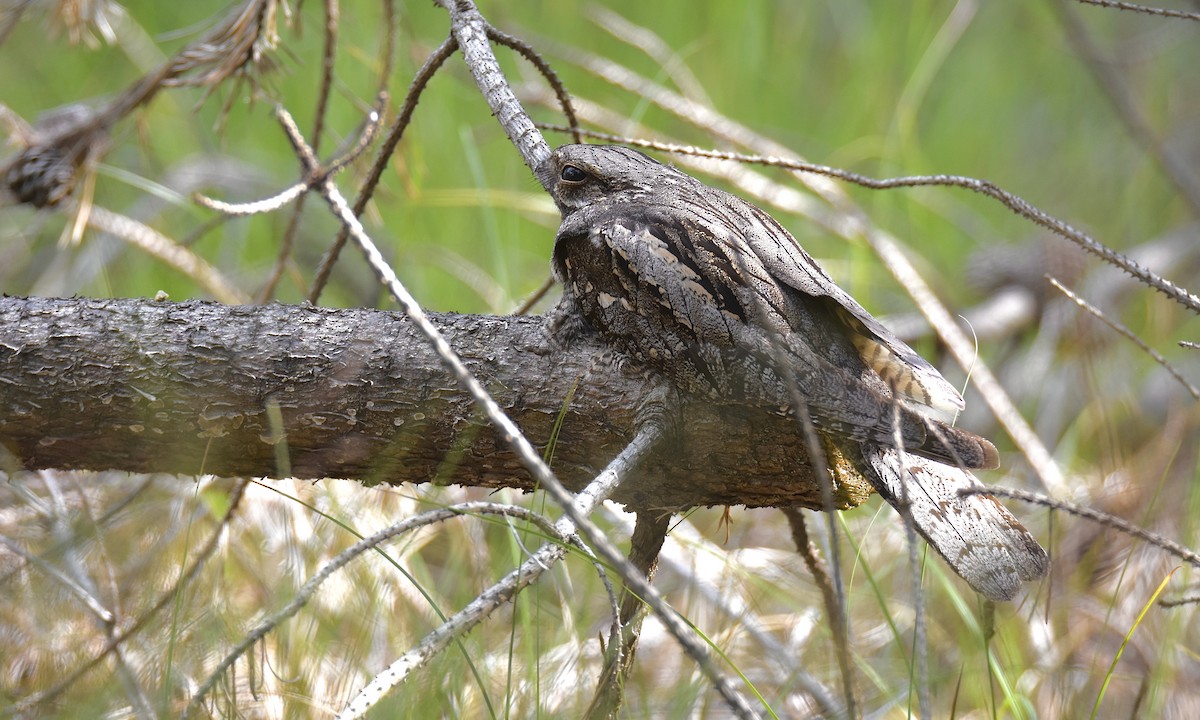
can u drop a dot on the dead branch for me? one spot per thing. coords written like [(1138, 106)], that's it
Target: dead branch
[(190, 388)]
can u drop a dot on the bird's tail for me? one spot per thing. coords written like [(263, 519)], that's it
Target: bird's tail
[(975, 534)]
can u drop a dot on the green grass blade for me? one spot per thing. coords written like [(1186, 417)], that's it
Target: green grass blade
[(1117, 658)]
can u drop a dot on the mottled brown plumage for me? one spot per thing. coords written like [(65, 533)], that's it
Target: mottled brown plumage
[(709, 290)]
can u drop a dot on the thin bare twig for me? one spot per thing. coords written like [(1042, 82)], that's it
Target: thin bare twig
[(85, 597), (692, 550), (471, 31), (920, 644), (316, 176), (302, 596), (328, 56), (560, 91), (1129, 334), (432, 64), (1146, 9), (167, 597), (833, 607), (528, 303), (1128, 109), (297, 192), (1103, 518), (503, 591), (645, 546), (255, 207), (1180, 601), (394, 134), (1015, 203)]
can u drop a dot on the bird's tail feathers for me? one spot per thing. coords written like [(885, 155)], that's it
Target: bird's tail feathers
[(976, 535)]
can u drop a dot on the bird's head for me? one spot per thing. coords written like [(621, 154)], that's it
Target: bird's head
[(582, 176)]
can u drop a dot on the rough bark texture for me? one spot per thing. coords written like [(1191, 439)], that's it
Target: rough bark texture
[(275, 390)]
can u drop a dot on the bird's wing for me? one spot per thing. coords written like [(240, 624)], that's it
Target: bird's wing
[(909, 374), (669, 290)]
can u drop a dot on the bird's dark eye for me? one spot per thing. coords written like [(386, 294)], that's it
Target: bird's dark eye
[(572, 174)]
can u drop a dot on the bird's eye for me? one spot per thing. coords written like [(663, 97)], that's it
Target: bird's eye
[(572, 174)]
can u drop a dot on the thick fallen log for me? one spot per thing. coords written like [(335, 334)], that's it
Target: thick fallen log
[(295, 391)]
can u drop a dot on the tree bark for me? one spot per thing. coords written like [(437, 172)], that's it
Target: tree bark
[(298, 391)]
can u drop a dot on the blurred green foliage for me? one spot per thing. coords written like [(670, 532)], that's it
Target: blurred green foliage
[(989, 90)]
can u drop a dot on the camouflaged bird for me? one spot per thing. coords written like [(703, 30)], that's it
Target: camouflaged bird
[(711, 291)]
